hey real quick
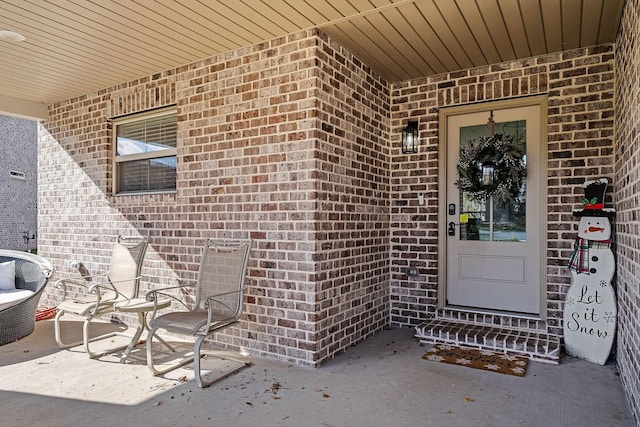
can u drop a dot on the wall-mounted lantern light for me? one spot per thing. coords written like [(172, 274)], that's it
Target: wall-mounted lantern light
[(488, 173), (410, 138)]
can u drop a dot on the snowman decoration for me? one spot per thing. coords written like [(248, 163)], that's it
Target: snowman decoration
[(590, 306)]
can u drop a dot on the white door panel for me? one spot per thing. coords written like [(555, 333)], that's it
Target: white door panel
[(494, 257), (496, 268)]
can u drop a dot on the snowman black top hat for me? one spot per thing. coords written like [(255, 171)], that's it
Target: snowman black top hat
[(593, 201)]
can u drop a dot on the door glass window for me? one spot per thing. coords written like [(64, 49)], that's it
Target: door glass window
[(487, 220)]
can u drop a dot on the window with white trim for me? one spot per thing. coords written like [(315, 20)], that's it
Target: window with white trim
[(146, 153)]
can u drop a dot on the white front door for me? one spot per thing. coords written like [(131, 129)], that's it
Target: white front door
[(494, 251)]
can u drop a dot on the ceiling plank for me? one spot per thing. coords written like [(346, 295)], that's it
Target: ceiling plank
[(460, 30), (552, 23), (417, 50), (492, 16), (512, 16), (317, 13), (80, 34), (473, 19), (590, 23), (25, 61), (534, 28), (571, 21), (391, 40), (284, 16), (445, 34), (376, 50), (610, 20), (118, 28), (145, 24), (215, 23), (433, 47), (336, 9), (40, 46), (352, 37)]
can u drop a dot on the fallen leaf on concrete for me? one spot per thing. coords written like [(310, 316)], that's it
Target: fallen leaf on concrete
[(183, 379), (325, 395), (468, 399), (158, 403), (275, 387)]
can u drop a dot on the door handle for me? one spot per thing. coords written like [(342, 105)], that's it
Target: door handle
[(451, 229)]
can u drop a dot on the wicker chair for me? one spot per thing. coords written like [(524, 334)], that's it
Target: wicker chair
[(32, 273)]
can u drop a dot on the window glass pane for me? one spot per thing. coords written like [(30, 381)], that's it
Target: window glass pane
[(161, 132), (143, 162), (509, 219), (148, 175), (474, 214), (486, 219), (147, 135), (474, 218)]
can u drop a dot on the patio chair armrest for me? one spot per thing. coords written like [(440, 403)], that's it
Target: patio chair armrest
[(63, 283), (154, 296), (90, 289), (128, 279), (213, 302)]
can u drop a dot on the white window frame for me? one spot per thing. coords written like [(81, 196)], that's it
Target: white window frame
[(117, 159)]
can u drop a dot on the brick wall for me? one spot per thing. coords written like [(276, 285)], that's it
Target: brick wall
[(353, 192), (18, 210), (283, 142), (627, 199), (579, 84)]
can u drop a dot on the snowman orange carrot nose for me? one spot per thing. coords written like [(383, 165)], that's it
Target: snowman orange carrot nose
[(594, 229)]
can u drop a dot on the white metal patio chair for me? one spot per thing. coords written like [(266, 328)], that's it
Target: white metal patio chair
[(102, 292), (218, 304)]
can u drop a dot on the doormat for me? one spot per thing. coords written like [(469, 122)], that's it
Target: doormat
[(478, 359)]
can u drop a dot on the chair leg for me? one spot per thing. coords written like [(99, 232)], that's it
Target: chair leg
[(87, 340), (150, 363), (58, 335), (136, 337), (166, 344), (85, 337), (195, 358), (197, 368)]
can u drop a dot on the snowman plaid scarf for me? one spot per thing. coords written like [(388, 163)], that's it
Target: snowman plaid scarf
[(580, 258)]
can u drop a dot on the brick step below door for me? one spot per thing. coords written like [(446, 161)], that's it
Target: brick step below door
[(534, 345)]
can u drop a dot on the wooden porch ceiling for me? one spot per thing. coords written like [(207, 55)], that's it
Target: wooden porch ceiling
[(74, 47)]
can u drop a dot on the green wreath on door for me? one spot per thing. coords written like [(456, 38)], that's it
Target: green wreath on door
[(509, 168)]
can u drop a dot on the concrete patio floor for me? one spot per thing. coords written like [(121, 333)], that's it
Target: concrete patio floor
[(380, 382)]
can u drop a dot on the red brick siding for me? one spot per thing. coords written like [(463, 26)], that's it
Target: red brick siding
[(627, 198), (353, 193)]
